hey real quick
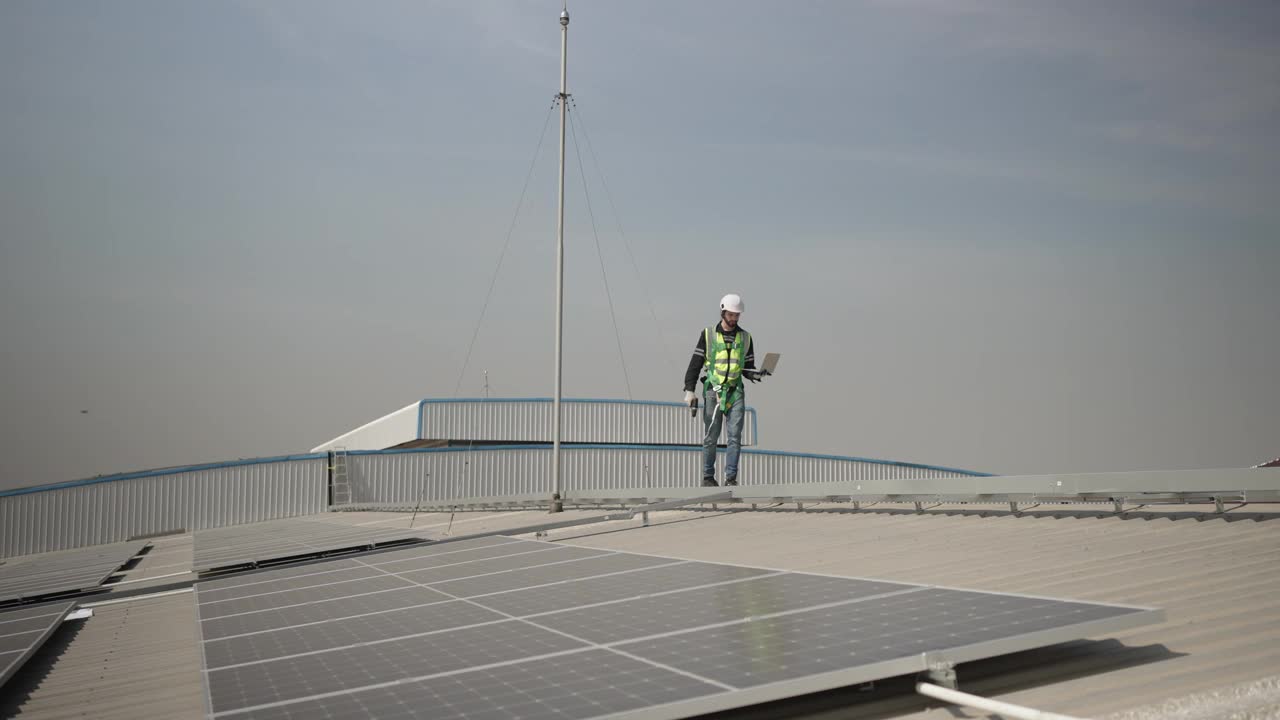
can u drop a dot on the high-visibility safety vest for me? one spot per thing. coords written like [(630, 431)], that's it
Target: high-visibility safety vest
[(724, 364)]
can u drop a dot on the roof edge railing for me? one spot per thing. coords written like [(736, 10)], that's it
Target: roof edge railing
[(570, 447), (423, 403), (157, 472)]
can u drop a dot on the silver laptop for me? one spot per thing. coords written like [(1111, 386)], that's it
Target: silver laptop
[(770, 362)]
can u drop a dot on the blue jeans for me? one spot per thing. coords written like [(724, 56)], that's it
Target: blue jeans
[(712, 419)]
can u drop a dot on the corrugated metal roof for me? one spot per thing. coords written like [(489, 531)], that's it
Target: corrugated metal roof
[(168, 560), (1218, 579), (138, 659)]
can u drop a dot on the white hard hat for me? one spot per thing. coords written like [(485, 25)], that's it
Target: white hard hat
[(731, 303)]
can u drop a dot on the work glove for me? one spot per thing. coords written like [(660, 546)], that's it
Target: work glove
[(690, 398)]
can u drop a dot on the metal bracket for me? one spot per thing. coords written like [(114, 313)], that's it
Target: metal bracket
[(940, 672), (682, 502)]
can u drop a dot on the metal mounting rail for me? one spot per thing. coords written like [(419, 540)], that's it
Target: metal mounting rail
[(625, 514), (1217, 487)]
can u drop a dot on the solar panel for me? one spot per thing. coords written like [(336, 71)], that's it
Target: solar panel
[(436, 613), (22, 632), (717, 604), (291, 539), (451, 553), (360, 602), (539, 556), (899, 627), (64, 572), (635, 583), (405, 658), (292, 598), (498, 627), (584, 684)]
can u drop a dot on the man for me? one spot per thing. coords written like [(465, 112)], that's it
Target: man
[(726, 354)]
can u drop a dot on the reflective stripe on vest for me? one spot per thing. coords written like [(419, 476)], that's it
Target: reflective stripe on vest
[(724, 362)]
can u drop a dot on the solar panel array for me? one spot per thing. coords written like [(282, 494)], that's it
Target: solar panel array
[(497, 627), (63, 572), (23, 631), (241, 545)]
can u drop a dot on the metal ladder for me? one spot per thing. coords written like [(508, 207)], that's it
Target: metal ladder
[(340, 488)]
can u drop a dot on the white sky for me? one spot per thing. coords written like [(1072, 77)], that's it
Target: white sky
[(1015, 237)]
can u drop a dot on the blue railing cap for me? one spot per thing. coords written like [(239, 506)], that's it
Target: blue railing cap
[(463, 448), (604, 401), (684, 448)]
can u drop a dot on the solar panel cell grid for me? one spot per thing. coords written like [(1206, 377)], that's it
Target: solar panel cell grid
[(816, 641), (19, 641), (277, 574), (346, 632), (570, 632), (23, 626), (584, 684), (23, 631), (712, 605), (355, 667), (277, 539), (314, 579), (65, 572), (402, 561), (492, 565), (337, 608), (20, 614), (286, 598), (637, 583), (536, 576)]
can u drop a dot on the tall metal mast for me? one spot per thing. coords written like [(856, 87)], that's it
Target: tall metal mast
[(556, 502)]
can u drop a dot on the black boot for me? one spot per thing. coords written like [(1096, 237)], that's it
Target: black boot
[(730, 481), (709, 481)]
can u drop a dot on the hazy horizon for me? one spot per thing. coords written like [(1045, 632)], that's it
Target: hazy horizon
[(1009, 237)]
